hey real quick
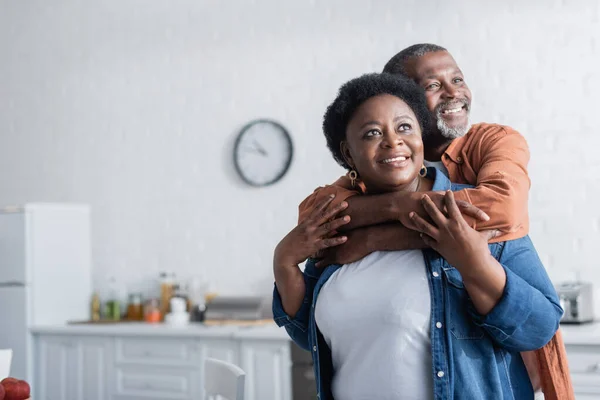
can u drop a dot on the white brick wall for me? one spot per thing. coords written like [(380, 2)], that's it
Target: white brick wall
[(133, 106)]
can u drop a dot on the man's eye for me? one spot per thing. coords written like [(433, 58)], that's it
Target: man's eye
[(432, 86), (458, 80)]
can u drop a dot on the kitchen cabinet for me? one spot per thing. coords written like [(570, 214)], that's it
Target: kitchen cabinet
[(71, 368), (143, 362), (268, 367), (583, 352)]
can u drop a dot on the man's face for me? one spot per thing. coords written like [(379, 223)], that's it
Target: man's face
[(448, 96)]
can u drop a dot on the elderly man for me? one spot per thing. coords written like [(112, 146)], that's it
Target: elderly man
[(491, 157)]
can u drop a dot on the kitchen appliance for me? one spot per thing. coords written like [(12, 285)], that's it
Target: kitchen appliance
[(236, 308), (45, 277), (576, 298)]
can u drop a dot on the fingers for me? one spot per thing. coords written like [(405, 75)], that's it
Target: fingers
[(324, 211), (470, 210), (490, 234), (429, 241), (327, 228), (331, 242), (423, 226), (451, 206), (324, 262), (434, 212)]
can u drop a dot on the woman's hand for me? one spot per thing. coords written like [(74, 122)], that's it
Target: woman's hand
[(313, 235), (451, 236), (416, 203)]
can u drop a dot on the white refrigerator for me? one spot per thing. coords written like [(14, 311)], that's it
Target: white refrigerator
[(45, 274)]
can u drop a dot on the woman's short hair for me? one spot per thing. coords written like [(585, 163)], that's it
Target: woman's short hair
[(355, 92)]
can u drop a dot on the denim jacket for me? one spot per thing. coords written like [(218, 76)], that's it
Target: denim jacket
[(473, 356)]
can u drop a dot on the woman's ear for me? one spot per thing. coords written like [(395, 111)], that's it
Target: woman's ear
[(346, 153)]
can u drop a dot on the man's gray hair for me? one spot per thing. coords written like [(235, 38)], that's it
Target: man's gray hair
[(396, 65)]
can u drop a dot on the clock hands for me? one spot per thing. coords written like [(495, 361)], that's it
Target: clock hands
[(258, 148)]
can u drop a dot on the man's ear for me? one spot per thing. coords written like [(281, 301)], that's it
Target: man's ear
[(346, 153)]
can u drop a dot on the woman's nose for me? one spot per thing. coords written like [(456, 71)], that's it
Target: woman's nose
[(391, 140)]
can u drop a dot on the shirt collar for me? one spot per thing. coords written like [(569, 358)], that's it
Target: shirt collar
[(440, 182)]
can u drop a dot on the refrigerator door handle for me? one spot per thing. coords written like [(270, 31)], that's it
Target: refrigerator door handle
[(11, 284)]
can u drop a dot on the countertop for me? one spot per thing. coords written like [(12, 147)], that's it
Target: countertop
[(584, 334), (268, 331)]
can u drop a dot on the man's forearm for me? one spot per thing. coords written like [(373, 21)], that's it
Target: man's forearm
[(375, 209), (392, 236)]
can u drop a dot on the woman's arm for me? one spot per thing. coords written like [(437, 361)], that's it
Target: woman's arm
[(293, 289), (513, 300)]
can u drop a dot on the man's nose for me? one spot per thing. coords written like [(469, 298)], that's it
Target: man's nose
[(451, 92)]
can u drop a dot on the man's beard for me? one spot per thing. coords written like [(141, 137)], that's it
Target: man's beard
[(448, 131)]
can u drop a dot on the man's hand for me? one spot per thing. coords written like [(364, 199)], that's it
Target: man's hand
[(352, 250), (437, 198)]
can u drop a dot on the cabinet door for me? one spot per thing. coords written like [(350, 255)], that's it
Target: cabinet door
[(93, 361), (56, 361), (225, 350), (268, 369)]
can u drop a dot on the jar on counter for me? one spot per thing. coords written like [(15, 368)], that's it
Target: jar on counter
[(135, 311), (167, 282), (152, 311)]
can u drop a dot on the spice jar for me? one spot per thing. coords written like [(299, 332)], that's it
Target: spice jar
[(152, 311), (134, 308)]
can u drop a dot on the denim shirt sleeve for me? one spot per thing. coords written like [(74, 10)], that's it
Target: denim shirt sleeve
[(528, 314), (297, 327)]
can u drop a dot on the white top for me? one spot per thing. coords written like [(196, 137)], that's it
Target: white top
[(437, 164), (374, 315)]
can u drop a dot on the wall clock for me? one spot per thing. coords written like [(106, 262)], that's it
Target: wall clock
[(263, 152)]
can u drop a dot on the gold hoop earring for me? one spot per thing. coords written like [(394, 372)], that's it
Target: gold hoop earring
[(423, 171), (353, 175)]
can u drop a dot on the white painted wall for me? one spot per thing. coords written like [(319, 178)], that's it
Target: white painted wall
[(133, 106)]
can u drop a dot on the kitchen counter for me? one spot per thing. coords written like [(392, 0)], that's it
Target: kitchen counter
[(584, 334), (268, 331)]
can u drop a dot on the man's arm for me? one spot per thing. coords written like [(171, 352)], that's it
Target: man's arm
[(381, 208), (498, 156)]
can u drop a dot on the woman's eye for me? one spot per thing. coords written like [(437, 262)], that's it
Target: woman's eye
[(372, 132), (404, 127)]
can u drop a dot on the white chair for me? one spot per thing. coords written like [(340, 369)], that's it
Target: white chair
[(5, 360), (223, 379)]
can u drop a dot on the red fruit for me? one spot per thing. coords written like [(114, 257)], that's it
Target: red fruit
[(15, 389)]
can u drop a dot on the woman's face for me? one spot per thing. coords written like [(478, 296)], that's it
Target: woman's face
[(383, 144)]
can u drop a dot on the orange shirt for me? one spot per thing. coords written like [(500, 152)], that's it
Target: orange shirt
[(494, 158)]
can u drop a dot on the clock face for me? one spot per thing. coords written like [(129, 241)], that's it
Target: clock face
[(263, 152)]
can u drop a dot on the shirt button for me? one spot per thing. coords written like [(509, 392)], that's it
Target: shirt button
[(435, 274), (438, 325), (314, 348), (459, 160), (440, 374)]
